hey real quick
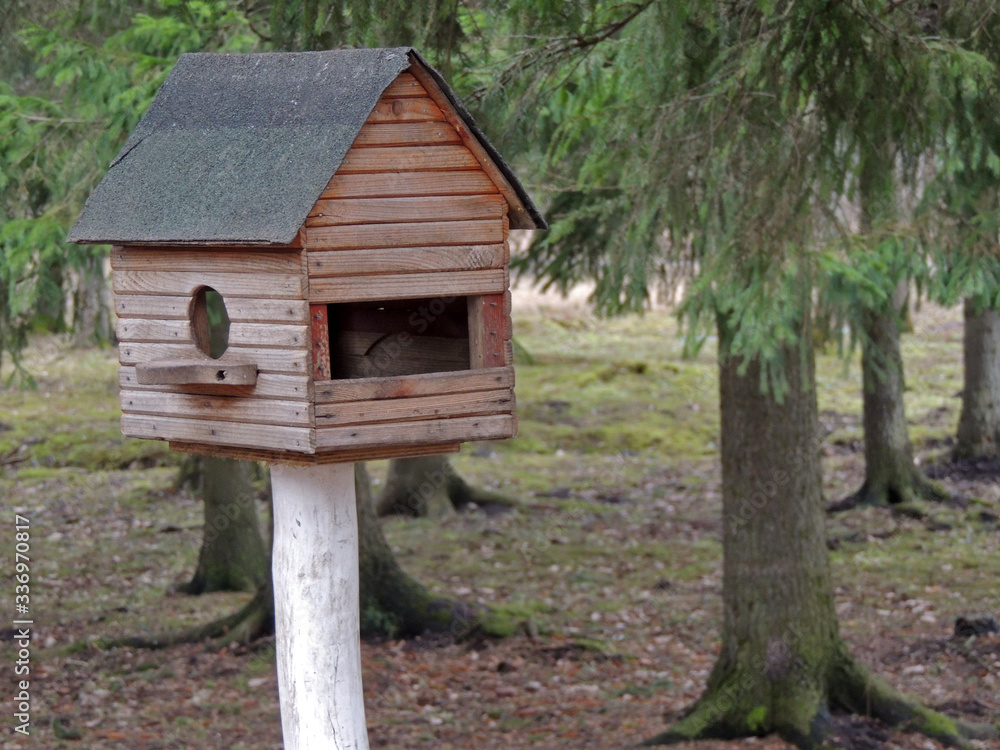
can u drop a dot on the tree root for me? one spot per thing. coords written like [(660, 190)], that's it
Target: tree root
[(429, 486), (726, 711), (903, 497), (854, 688), (254, 620)]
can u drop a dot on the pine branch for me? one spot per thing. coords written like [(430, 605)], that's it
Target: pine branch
[(559, 48)]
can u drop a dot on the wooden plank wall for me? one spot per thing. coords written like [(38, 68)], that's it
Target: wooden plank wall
[(265, 293), (411, 214)]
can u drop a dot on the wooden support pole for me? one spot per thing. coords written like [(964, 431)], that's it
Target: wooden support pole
[(315, 569)]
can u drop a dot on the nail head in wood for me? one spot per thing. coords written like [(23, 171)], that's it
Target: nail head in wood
[(182, 372)]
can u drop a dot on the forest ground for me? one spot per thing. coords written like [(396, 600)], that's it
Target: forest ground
[(613, 559)]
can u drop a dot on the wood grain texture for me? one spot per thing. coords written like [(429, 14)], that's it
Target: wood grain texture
[(408, 183), (237, 434), (402, 387), (289, 361), (404, 85), (206, 260), (358, 354), (268, 385), (185, 372), (404, 260), (240, 309), (407, 159), (428, 431), (273, 286), (407, 286), (520, 216), (140, 329), (320, 342), (418, 407), (407, 134), (359, 236), (240, 334), (406, 109), (326, 457), (256, 411), (328, 213), (489, 328)]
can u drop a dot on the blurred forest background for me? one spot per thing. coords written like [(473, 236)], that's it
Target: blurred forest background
[(786, 178)]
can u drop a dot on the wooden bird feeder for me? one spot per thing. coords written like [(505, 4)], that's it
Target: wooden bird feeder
[(310, 268)]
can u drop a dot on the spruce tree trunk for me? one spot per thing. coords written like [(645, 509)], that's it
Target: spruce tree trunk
[(233, 556), (890, 475), (891, 478), (429, 486), (417, 487), (391, 601), (783, 665), (91, 308), (780, 633), (979, 423)]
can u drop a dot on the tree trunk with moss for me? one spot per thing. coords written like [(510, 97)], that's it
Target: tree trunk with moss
[(979, 423), (783, 665), (429, 486), (233, 556), (891, 477), (391, 601)]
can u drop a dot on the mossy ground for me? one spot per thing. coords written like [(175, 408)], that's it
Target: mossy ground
[(613, 558)]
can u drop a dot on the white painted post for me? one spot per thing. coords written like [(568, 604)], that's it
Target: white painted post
[(315, 569)]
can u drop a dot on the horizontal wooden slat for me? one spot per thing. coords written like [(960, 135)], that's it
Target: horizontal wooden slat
[(237, 434), (291, 361), (274, 286), (519, 215), (406, 134), (221, 408), (408, 286), (418, 109), (240, 334), (419, 407), (358, 236), (269, 334), (408, 183), (239, 309), (427, 431), (405, 260), (395, 210), (348, 456), (269, 385), (190, 372), (404, 85), (204, 260), (430, 384), (141, 329), (407, 159)]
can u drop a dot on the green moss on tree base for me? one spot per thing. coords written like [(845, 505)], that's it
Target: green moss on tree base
[(725, 711)]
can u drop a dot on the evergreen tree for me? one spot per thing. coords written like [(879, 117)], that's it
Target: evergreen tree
[(84, 80), (720, 142)]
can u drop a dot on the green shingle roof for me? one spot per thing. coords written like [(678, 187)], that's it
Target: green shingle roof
[(236, 149)]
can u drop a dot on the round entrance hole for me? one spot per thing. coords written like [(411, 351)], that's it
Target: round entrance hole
[(210, 322)]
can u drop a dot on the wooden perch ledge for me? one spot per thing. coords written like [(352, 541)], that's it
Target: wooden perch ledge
[(195, 372)]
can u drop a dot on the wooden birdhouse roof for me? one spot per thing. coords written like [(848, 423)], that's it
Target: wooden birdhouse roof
[(237, 148)]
